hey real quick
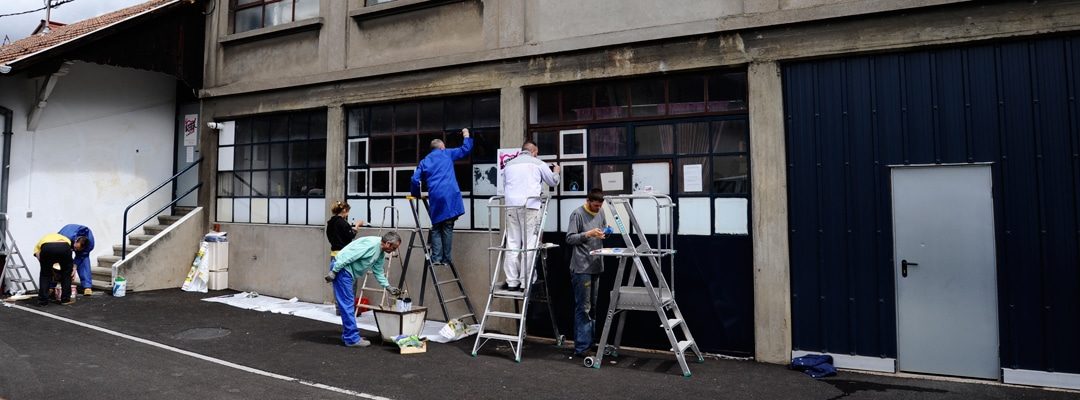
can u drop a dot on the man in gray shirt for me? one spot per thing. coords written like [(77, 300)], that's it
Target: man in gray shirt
[(585, 233)]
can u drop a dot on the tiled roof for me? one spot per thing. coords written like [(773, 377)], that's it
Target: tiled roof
[(25, 47)]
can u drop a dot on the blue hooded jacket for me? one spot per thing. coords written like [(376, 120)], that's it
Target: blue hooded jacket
[(437, 172), (72, 231)]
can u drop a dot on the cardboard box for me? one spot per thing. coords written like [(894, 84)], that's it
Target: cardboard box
[(416, 350), (219, 280)]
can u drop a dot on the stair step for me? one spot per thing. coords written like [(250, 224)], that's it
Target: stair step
[(501, 314), (449, 281), (107, 261), (153, 229), (101, 286), (499, 336), (168, 219), (181, 210), (672, 323), (101, 271), (685, 344), (508, 294), (139, 239), (116, 249)]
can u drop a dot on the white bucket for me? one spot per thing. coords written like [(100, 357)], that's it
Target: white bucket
[(119, 288)]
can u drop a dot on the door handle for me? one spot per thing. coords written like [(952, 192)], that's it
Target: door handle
[(903, 267)]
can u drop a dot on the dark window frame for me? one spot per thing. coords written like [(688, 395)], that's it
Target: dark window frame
[(235, 7)]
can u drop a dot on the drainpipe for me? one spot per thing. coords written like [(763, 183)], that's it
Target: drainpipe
[(5, 162)]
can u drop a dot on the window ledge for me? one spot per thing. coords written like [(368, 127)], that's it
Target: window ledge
[(396, 7), (276, 30)]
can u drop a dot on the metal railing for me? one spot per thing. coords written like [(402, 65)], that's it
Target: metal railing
[(123, 241)]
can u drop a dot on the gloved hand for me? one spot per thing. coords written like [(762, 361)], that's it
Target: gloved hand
[(330, 276), (393, 291)]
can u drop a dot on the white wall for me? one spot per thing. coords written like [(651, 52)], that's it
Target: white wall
[(105, 138)]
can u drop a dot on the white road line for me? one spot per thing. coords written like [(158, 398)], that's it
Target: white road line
[(205, 358)]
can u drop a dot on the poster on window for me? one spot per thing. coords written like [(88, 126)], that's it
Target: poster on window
[(191, 129), (504, 156), (485, 179)]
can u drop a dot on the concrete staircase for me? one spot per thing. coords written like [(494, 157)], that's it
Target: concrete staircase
[(102, 272)]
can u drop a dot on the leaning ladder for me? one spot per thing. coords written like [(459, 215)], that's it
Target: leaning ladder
[(658, 297), (363, 289), (14, 266), (524, 254), (417, 241)]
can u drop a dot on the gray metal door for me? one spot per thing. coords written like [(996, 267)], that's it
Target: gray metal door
[(945, 269)]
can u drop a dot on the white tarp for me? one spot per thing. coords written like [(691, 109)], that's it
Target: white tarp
[(318, 312)]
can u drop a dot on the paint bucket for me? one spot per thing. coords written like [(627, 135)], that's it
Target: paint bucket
[(119, 288), (404, 304)]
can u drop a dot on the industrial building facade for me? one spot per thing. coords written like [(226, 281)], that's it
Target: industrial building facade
[(778, 128)]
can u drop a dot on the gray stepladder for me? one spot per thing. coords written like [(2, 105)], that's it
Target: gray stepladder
[(15, 271), (363, 288), (430, 269), (527, 257), (659, 296)]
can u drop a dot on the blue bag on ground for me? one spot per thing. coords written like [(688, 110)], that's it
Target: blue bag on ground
[(816, 365)]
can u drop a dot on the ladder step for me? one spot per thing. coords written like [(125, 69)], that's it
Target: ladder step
[(448, 281), (508, 294), (463, 316), (499, 336), (20, 280), (672, 323), (501, 314), (450, 300), (685, 344)]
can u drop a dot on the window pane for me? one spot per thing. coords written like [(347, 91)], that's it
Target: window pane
[(464, 172), (357, 181), (279, 155), (402, 180), (242, 133), (647, 98), (382, 119), (727, 92), (405, 117), (729, 174), (547, 142), (458, 113), (242, 158), (260, 130), (693, 137), (544, 106), (248, 19), (425, 143), (260, 157), (242, 2), (485, 145), (382, 148), (357, 124), (225, 184), (698, 179), (608, 142), (278, 127), (573, 143), (611, 101), (279, 13), (259, 183), (298, 154), (380, 181), (597, 171), (298, 126), (686, 95), (307, 9), (652, 140), (304, 182), (573, 178), (317, 153), (431, 115), (317, 127), (279, 180), (577, 103), (486, 111), (456, 139), (316, 183), (357, 153), (730, 136), (241, 184), (404, 149)]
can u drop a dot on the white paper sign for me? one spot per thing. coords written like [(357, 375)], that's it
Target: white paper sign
[(611, 181), (191, 130), (190, 156), (692, 177)]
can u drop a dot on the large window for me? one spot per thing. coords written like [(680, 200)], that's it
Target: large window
[(386, 142), (272, 169), (255, 14), (686, 136)]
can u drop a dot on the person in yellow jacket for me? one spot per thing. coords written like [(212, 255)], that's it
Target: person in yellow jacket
[(54, 254)]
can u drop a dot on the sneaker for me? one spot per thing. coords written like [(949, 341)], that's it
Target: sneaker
[(361, 343), (66, 302), (42, 303), (87, 292)]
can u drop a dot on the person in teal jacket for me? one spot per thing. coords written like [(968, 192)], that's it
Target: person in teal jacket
[(352, 262), (445, 205)]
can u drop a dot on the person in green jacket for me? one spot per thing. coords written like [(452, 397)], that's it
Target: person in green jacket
[(352, 262)]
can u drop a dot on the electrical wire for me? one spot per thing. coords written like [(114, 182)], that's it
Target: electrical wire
[(53, 5)]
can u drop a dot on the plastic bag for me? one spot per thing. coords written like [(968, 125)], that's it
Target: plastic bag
[(199, 275), (455, 329)]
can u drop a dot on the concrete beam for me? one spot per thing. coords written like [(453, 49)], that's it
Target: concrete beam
[(511, 116), (335, 155), (772, 282)]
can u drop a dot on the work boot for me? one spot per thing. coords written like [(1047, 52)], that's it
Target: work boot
[(67, 302), (87, 292), (361, 343)]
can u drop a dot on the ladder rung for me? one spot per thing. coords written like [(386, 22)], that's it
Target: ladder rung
[(500, 336), (448, 281), (508, 294), (453, 299), (672, 323), (463, 316), (373, 289), (501, 314), (21, 280), (685, 344)]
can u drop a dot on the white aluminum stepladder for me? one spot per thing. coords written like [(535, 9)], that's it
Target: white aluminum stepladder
[(659, 296), (15, 271), (526, 256)]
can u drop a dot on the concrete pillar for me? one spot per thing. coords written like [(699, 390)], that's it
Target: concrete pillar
[(511, 116), (772, 278), (208, 149), (335, 169), (332, 37)]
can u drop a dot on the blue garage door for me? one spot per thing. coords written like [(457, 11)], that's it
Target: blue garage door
[(1013, 104)]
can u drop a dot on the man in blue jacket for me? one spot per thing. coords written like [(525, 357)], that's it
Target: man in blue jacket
[(436, 171), (82, 256)]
